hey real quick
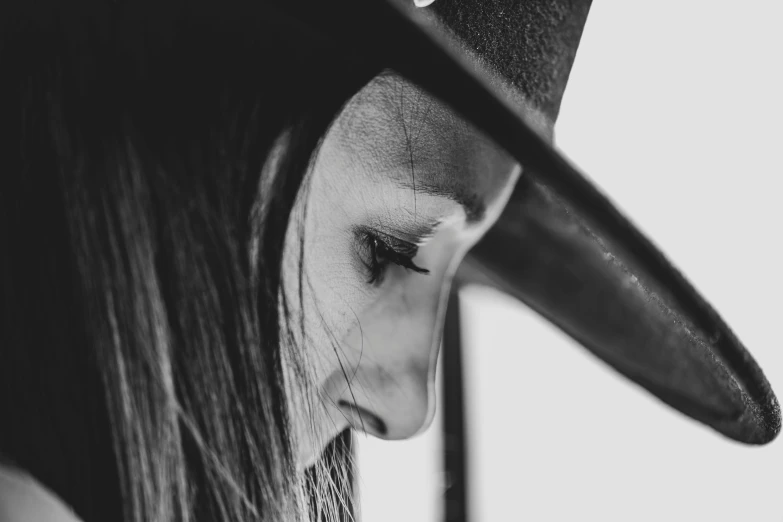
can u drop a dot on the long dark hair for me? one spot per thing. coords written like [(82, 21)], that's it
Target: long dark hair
[(141, 235)]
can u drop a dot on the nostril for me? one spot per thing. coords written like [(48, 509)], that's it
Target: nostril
[(366, 418)]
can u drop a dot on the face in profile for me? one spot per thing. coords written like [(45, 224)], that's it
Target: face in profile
[(400, 189)]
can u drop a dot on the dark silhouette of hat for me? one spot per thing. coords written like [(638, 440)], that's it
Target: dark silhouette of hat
[(567, 252)]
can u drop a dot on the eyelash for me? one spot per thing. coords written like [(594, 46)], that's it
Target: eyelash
[(380, 256)]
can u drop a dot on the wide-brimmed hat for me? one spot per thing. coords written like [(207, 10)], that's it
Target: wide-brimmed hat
[(561, 246)]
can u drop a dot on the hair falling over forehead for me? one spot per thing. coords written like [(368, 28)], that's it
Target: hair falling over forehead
[(141, 253)]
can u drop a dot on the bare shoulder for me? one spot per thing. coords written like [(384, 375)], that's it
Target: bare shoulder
[(23, 499)]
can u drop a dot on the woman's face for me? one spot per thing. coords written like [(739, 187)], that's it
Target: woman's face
[(400, 189)]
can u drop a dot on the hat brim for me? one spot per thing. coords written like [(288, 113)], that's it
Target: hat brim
[(564, 249), (543, 253)]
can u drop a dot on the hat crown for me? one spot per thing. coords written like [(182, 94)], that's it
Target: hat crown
[(532, 43)]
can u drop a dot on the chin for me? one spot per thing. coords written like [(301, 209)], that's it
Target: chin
[(310, 453), (306, 460)]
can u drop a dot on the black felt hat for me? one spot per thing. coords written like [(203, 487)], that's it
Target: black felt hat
[(600, 280), (561, 246)]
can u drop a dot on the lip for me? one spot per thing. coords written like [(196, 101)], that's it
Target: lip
[(355, 417), (339, 416), (362, 419)]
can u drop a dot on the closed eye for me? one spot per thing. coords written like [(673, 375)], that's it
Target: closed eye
[(379, 252)]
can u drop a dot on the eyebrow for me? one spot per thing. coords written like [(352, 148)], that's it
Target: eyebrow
[(448, 188)]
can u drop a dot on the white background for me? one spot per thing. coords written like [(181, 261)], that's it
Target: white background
[(674, 109)]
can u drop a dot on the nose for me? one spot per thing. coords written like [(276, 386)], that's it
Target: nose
[(392, 405), (391, 394)]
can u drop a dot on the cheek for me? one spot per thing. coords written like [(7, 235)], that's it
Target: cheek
[(324, 284)]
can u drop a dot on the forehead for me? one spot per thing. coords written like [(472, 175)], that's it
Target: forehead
[(395, 131)]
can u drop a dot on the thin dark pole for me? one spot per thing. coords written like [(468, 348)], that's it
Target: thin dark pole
[(455, 498)]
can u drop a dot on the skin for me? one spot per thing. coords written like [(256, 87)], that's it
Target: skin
[(396, 169)]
